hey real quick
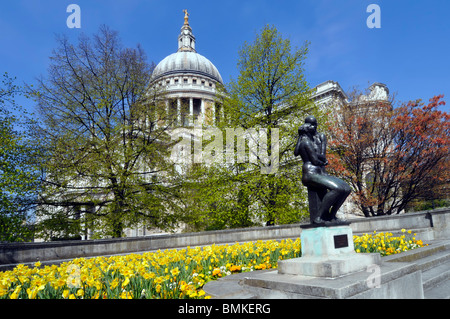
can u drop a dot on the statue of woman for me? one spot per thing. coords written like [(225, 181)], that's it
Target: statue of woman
[(332, 191)]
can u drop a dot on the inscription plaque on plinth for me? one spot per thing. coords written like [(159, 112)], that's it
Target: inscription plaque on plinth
[(340, 241)]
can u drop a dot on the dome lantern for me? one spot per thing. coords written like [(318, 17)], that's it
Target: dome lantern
[(186, 60), (186, 40)]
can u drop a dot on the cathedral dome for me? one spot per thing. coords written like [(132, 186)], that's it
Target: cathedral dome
[(186, 62), (189, 81)]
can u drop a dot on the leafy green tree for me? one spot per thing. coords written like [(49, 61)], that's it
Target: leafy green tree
[(19, 174), (270, 97), (106, 143)]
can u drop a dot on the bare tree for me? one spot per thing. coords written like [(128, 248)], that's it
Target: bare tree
[(106, 139)]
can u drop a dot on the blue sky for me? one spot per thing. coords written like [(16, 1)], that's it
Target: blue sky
[(410, 53)]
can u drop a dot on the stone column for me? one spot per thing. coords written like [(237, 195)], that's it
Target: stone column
[(167, 112), (191, 111), (179, 111), (213, 114), (154, 118), (202, 110)]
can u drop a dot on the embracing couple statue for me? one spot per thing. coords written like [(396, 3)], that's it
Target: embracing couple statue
[(326, 193)]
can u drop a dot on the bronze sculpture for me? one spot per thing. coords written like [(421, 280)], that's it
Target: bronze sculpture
[(326, 193)]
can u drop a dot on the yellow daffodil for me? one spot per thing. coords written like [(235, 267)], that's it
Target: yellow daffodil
[(125, 282), (31, 293), (80, 292), (65, 293), (170, 273), (175, 271), (114, 283)]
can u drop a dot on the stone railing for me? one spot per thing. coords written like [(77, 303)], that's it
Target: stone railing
[(431, 225)]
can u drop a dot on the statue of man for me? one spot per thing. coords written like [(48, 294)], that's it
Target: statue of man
[(332, 191)]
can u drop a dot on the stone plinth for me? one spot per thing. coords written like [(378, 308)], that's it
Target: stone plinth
[(330, 268), (327, 252), (326, 241)]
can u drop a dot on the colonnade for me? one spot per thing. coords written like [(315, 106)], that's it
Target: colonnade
[(196, 110)]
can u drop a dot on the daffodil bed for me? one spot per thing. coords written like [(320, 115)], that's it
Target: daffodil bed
[(170, 273)]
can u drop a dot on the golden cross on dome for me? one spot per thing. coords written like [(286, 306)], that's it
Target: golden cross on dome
[(186, 16)]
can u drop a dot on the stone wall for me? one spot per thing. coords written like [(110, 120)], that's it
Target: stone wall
[(430, 225)]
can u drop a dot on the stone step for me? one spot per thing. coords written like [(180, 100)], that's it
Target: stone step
[(433, 261), (441, 291), (228, 287), (398, 281), (436, 275)]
